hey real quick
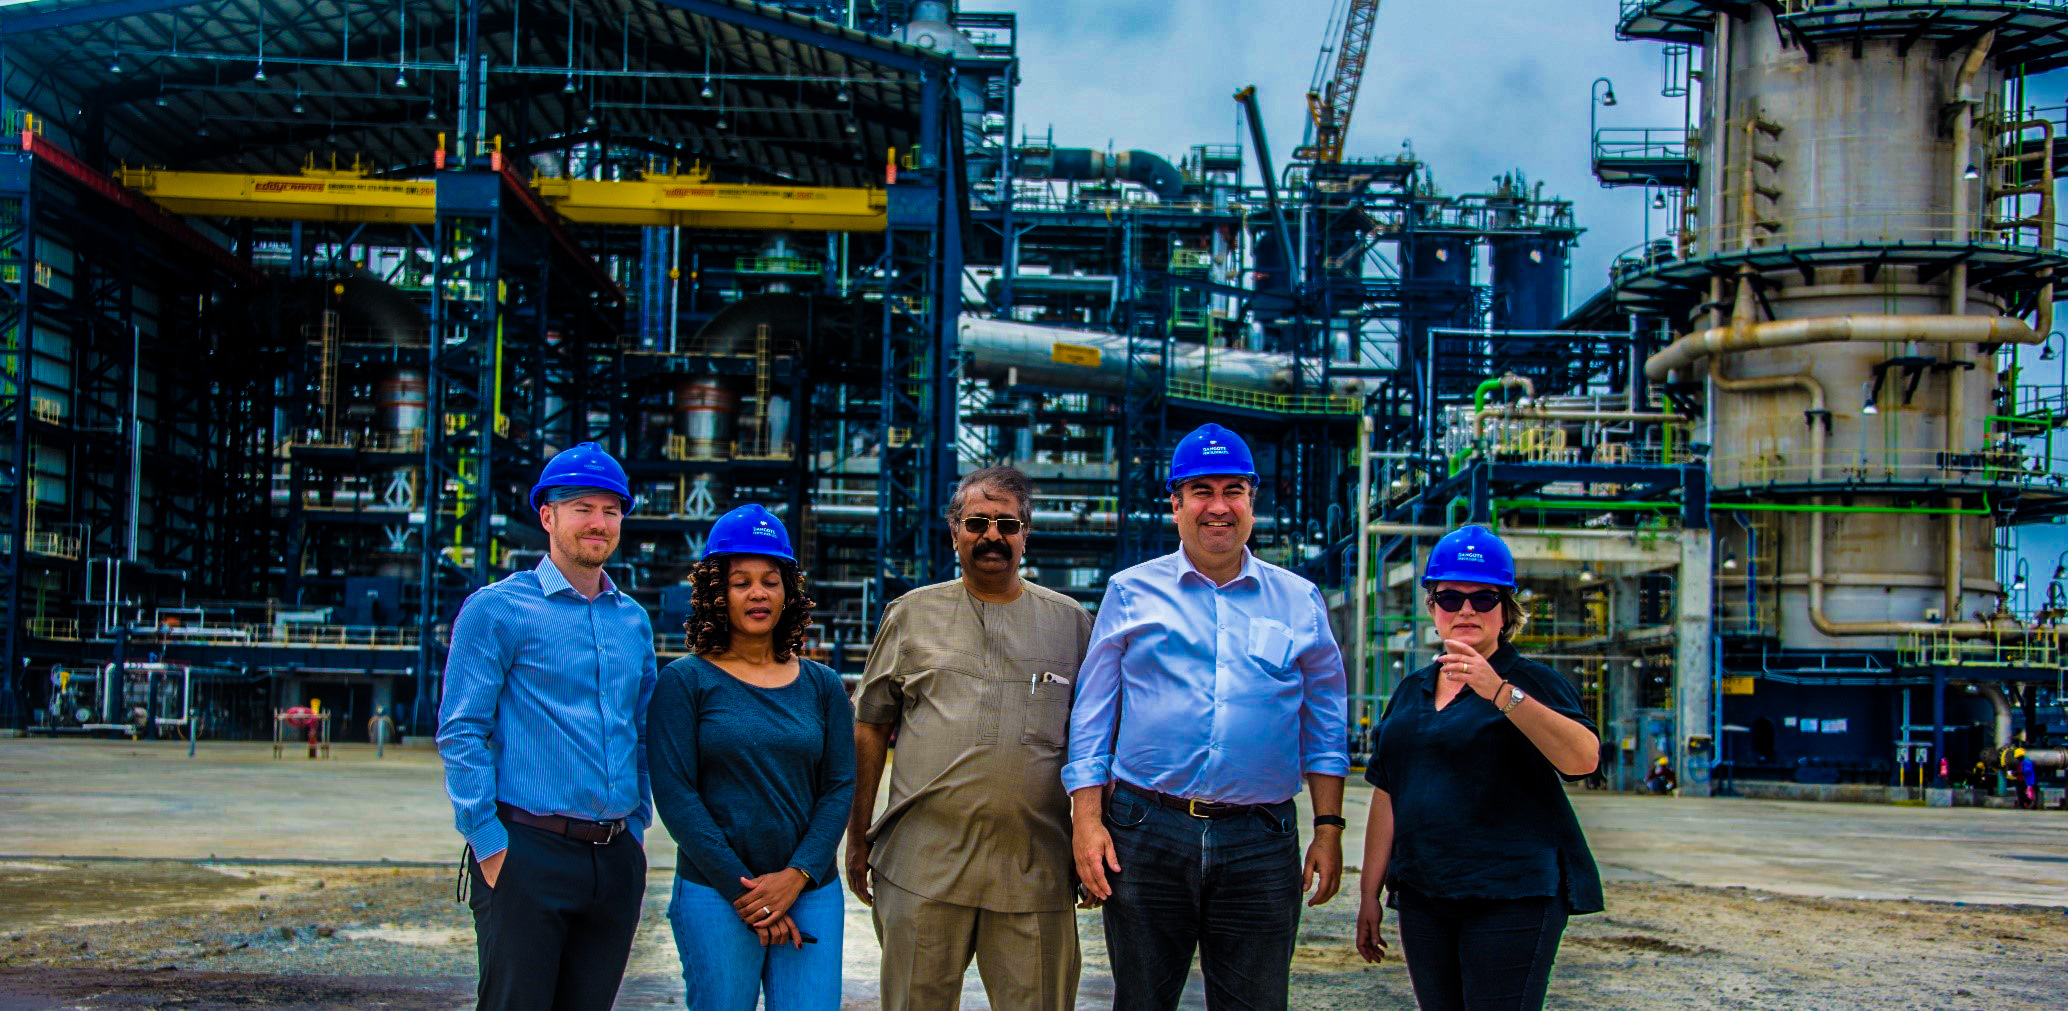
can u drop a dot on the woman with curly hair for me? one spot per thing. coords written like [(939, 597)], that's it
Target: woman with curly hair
[(751, 748)]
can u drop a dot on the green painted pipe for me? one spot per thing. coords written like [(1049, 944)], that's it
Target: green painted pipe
[(1775, 507), (1581, 505), (1479, 395)]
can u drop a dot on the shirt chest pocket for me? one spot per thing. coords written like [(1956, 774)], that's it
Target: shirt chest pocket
[(946, 686), (1270, 645), (1050, 686)]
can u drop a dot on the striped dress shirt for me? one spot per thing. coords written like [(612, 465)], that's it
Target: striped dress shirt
[(545, 706)]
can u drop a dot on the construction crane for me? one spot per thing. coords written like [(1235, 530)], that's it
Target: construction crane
[(1329, 104)]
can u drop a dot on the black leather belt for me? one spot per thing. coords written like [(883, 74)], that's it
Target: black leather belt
[(1195, 808), (600, 833)]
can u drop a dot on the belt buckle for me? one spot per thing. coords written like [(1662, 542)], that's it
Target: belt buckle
[(1192, 808), (610, 832)]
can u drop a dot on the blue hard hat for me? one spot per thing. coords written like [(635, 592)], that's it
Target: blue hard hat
[(1210, 451), (1471, 554), (583, 465), (749, 530)]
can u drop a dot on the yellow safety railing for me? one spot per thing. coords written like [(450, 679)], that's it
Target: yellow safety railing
[(1280, 403), (45, 542), (55, 628), (2013, 647)]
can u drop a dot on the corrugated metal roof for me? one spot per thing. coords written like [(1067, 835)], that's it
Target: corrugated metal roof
[(149, 82)]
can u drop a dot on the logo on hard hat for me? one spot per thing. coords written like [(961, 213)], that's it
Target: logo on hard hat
[(1469, 555), (764, 529), (1214, 448)]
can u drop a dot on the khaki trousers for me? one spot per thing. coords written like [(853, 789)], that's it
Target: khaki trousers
[(1028, 961)]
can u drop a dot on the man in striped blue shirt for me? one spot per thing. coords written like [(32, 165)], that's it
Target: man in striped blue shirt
[(543, 733)]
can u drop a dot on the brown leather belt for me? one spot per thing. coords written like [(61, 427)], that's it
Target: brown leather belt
[(600, 833), (1195, 808)]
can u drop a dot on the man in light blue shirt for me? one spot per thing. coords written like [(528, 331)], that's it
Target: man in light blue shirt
[(543, 733), (1212, 686)]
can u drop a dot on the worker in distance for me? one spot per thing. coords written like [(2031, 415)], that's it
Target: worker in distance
[(1469, 828)]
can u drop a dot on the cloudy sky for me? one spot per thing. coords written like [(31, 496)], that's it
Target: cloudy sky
[(1479, 87)]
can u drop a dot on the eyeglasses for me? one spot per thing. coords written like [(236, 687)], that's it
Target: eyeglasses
[(1483, 601), (981, 525)]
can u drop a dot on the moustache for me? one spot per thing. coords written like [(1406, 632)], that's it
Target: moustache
[(986, 549)]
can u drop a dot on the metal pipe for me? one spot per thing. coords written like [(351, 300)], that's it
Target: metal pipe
[(2002, 706), (1360, 605), (1690, 348)]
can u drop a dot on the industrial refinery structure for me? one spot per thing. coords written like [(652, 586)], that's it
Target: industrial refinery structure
[(298, 298)]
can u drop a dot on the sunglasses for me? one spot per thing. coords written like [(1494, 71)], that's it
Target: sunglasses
[(1483, 601), (980, 525)]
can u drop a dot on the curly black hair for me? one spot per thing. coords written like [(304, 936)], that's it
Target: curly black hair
[(709, 628)]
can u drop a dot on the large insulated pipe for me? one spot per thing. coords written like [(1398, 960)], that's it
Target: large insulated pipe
[(1083, 164), (1687, 350), (1097, 362), (2001, 705)]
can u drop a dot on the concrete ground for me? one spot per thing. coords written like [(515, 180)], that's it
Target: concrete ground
[(234, 805)]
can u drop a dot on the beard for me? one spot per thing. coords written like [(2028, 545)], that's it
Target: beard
[(585, 554)]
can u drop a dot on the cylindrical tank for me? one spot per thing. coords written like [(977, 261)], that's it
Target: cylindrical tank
[(1443, 258), (1856, 150), (401, 401), (1529, 282), (1097, 362), (705, 412)]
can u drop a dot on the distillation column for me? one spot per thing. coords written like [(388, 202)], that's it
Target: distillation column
[(1860, 243)]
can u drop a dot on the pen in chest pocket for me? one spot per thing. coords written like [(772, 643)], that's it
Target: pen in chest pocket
[(1044, 678)]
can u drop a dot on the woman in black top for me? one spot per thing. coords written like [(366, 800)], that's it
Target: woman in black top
[(1470, 827), (752, 753)]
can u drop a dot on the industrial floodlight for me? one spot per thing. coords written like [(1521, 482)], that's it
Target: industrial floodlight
[(589, 120), (842, 96), (401, 79), (1867, 399), (1609, 99), (721, 121), (298, 101), (569, 86), (1730, 560), (1586, 573), (430, 113), (2018, 580), (162, 103), (260, 74), (1972, 172), (850, 126), (2046, 348), (1659, 202), (707, 93), (202, 130), (115, 64)]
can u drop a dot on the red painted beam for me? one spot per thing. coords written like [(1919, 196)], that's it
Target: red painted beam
[(517, 190), (136, 203)]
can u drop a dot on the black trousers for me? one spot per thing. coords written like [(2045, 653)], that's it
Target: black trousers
[(1479, 954), (555, 931)]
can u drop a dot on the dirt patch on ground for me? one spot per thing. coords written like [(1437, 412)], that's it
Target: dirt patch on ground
[(164, 934), (1662, 945)]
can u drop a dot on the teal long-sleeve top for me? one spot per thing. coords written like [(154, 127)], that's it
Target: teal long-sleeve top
[(751, 780)]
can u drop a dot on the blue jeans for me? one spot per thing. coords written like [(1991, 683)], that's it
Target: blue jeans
[(724, 966), (1227, 887)]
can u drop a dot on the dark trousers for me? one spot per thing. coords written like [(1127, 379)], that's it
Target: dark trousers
[(1227, 887), (555, 931), (1480, 954)]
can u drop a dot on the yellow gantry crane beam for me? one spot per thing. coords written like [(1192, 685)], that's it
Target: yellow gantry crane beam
[(692, 201), (688, 200), (315, 195)]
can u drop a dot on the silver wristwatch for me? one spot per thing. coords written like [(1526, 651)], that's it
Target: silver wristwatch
[(1515, 698)]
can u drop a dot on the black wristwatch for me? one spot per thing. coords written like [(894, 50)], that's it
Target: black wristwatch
[(1330, 819)]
